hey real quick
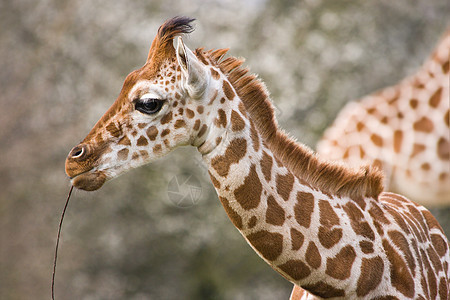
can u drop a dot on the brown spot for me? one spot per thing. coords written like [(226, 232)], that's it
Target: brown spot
[(424, 125), (284, 185), (445, 67), (214, 96), (125, 141), (196, 125), (268, 244), (436, 98), (413, 103), (275, 215), (437, 266), (447, 118), (329, 237), (202, 58), (431, 278), (360, 126), (377, 214), (215, 182), (255, 137), (401, 279), (241, 107), (248, 195), (113, 129), (398, 218), (313, 257), (328, 217), (357, 221), (215, 74), (266, 166), (202, 130), (123, 154), (177, 96), (439, 244), (402, 244), (346, 153), (297, 239), (200, 109), (304, 208), (228, 90), (233, 154), (237, 123), (142, 141), (252, 222), (179, 123), (384, 120), (175, 104), (157, 148), (222, 100), (165, 132), (295, 269), (425, 166), (398, 138), (431, 220), (443, 148), (324, 290), (232, 214), (417, 148), (362, 153), (371, 275), (189, 113), (376, 139), (181, 111), (218, 140), (99, 138), (221, 120), (142, 125), (135, 156), (167, 118), (143, 154), (366, 247), (443, 289), (340, 266), (378, 227), (152, 132), (371, 110)]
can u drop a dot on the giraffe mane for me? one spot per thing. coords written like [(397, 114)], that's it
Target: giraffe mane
[(330, 177), (162, 45)]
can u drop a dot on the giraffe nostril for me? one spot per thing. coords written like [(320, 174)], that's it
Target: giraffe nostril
[(78, 151)]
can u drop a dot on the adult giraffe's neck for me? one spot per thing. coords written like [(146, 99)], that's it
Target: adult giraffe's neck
[(279, 214)]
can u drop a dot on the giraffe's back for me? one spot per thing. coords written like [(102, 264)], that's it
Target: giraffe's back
[(404, 129)]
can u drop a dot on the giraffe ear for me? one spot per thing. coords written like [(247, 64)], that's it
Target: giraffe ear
[(193, 73)]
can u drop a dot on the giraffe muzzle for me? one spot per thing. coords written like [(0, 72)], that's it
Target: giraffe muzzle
[(80, 165)]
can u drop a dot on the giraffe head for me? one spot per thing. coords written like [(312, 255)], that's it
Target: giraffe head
[(161, 106)]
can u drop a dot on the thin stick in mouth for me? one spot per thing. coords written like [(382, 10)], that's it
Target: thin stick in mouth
[(57, 243)]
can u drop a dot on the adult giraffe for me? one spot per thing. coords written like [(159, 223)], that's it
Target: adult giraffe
[(326, 228), (404, 129)]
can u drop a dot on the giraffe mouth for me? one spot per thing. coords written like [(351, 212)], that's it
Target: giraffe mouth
[(89, 181)]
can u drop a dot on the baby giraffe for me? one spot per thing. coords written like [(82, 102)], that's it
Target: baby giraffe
[(328, 229)]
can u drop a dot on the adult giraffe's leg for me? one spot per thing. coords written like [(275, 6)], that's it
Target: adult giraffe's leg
[(298, 293)]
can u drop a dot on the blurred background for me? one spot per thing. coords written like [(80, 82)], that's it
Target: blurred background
[(62, 64)]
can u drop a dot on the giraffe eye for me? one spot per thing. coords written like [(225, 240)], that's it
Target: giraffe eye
[(148, 106)]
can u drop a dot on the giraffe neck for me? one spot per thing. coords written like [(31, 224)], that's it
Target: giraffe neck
[(287, 222)]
